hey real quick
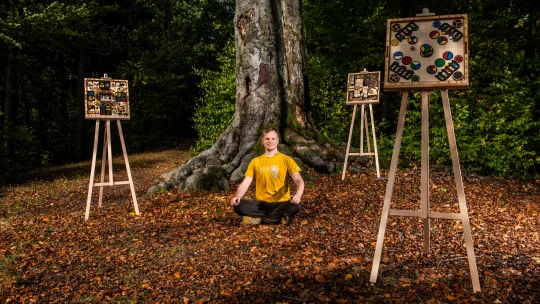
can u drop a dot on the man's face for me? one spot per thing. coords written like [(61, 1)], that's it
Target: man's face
[(270, 141)]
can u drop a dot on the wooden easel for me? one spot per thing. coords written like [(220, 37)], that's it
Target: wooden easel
[(107, 157), (363, 127), (424, 212)]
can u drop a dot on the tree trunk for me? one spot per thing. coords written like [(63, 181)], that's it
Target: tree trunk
[(168, 34), (10, 105), (81, 104), (271, 91)]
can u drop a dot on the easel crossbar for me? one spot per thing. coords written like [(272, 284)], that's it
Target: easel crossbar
[(431, 214), (364, 130), (107, 159), (113, 184), (424, 212)]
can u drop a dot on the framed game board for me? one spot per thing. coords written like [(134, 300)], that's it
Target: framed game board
[(363, 87), (427, 52), (106, 98)]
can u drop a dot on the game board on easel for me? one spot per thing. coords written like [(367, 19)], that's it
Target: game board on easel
[(427, 52), (106, 98)]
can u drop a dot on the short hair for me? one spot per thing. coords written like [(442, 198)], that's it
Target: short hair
[(268, 130)]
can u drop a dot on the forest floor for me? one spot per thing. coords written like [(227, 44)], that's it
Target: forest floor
[(191, 248)]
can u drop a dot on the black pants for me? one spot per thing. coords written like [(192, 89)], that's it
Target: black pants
[(270, 213)]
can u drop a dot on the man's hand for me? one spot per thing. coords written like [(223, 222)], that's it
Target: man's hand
[(295, 199), (235, 201)]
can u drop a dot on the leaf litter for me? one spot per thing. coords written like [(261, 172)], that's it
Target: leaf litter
[(190, 247)]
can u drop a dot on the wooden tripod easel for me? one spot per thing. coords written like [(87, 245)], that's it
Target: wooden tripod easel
[(424, 212), (363, 127), (107, 157)]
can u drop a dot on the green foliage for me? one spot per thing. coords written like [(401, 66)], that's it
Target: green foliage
[(179, 66), (495, 120), (215, 109), (23, 154), (156, 45)]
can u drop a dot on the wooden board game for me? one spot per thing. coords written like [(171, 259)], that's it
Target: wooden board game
[(106, 98), (427, 52)]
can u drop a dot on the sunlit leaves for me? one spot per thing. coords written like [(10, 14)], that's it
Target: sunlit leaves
[(190, 247)]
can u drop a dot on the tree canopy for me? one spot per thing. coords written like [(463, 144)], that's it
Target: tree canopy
[(177, 56)]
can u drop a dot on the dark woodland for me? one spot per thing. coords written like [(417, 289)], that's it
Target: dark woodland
[(205, 77)]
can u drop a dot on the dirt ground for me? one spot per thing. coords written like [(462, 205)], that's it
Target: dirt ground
[(190, 247)]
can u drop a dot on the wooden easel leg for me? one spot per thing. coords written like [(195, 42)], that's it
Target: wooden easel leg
[(128, 168), (362, 125), (348, 144), (374, 141), (389, 188), (103, 162), (92, 171), (460, 192), (425, 169), (366, 126), (111, 179)]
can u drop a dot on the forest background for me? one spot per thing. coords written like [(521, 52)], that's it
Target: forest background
[(178, 57)]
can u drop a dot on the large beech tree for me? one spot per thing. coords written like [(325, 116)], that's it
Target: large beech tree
[(271, 91)]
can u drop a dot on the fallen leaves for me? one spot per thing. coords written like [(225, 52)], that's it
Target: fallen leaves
[(190, 248)]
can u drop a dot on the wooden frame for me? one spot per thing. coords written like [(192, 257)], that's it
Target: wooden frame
[(106, 98), (363, 87), (107, 158), (424, 212), (427, 52)]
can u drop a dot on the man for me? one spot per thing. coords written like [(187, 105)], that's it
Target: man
[(270, 171)]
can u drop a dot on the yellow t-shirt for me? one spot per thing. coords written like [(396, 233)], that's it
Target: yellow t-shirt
[(270, 175)]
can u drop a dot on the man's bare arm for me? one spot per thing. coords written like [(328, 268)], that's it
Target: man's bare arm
[(242, 189), (297, 178)]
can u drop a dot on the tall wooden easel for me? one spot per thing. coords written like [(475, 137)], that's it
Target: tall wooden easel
[(364, 129), (107, 157), (424, 212)]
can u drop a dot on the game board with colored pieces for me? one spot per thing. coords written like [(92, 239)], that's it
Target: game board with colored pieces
[(363, 87), (106, 98), (427, 52)]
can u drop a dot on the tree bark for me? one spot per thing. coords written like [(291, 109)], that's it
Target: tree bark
[(81, 106), (168, 33), (10, 104), (271, 91)]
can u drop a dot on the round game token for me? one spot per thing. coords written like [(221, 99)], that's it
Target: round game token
[(406, 60), (459, 59), (393, 78), (440, 62), (426, 50), (447, 55), (415, 78), (436, 23), (457, 75), (412, 40), (434, 34), (396, 27), (415, 65), (394, 42), (431, 69), (457, 23), (398, 55), (442, 40)]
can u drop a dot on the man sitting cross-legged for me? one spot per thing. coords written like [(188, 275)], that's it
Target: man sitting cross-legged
[(270, 171)]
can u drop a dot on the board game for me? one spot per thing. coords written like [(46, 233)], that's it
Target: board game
[(106, 98), (363, 87), (427, 52)]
